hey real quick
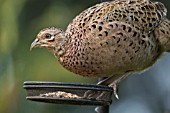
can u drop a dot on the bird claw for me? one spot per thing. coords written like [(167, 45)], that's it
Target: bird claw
[(96, 95), (117, 97), (91, 94), (114, 85), (101, 95)]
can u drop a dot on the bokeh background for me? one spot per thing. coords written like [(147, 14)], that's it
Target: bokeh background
[(21, 20)]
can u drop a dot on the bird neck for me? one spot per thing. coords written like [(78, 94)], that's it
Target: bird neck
[(59, 51)]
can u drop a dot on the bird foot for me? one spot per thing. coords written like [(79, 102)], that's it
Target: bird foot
[(101, 95), (96, 95), (114, 85)]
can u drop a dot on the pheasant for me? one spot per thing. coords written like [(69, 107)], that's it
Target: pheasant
[(111, 39)]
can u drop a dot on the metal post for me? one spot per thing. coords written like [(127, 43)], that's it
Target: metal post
[(102, 109)]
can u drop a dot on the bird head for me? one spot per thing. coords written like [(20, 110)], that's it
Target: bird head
[(48, 38)]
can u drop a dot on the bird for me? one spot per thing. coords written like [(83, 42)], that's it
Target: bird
[(112, 39)]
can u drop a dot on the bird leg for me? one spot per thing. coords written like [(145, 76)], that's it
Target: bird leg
[(99, 95), (112, 81), (115, 84)]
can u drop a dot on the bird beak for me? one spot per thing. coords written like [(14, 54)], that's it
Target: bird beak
[(34, 44)]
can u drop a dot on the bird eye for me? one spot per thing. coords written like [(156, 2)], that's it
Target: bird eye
[(47, 36)]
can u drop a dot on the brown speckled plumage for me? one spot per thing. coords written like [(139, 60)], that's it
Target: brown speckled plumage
[(111, 39)]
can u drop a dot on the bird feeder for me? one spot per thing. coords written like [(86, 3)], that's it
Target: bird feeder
[(69, 93)]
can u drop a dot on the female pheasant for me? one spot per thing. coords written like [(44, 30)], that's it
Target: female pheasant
[(111, 39)]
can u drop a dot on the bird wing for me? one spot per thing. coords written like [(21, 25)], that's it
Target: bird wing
[(121, 43), (117, 35), (129, 19), (145, 15)]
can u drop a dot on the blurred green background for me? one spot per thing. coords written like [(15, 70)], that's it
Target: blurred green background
[(20, 21)]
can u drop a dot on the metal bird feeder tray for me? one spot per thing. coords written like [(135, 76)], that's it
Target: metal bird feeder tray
[(68, 93)]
